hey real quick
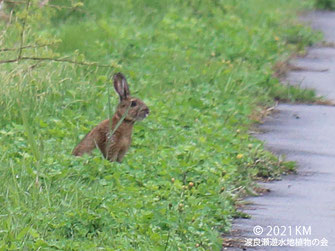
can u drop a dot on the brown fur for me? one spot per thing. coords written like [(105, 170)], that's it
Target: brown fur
[(115, 147)]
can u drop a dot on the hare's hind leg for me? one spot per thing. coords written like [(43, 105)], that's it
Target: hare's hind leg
[(88, 143), (85, 146), (95, 138)]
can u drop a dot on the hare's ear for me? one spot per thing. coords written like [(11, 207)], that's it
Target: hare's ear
[(121, 86)]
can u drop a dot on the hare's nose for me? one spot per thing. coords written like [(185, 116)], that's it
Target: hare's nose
[(147, 111)]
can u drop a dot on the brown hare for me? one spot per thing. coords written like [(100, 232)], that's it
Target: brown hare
[(129, 110)]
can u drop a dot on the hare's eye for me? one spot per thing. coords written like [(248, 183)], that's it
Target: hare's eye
[(133, 103)]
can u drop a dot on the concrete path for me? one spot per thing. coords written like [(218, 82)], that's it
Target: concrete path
[(300, 209)]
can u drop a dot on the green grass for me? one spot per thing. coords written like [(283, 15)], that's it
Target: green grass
[(203, 68), (325, 4)]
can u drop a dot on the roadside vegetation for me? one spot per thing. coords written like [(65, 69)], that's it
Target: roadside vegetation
[(325, 4), (205, 69)]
